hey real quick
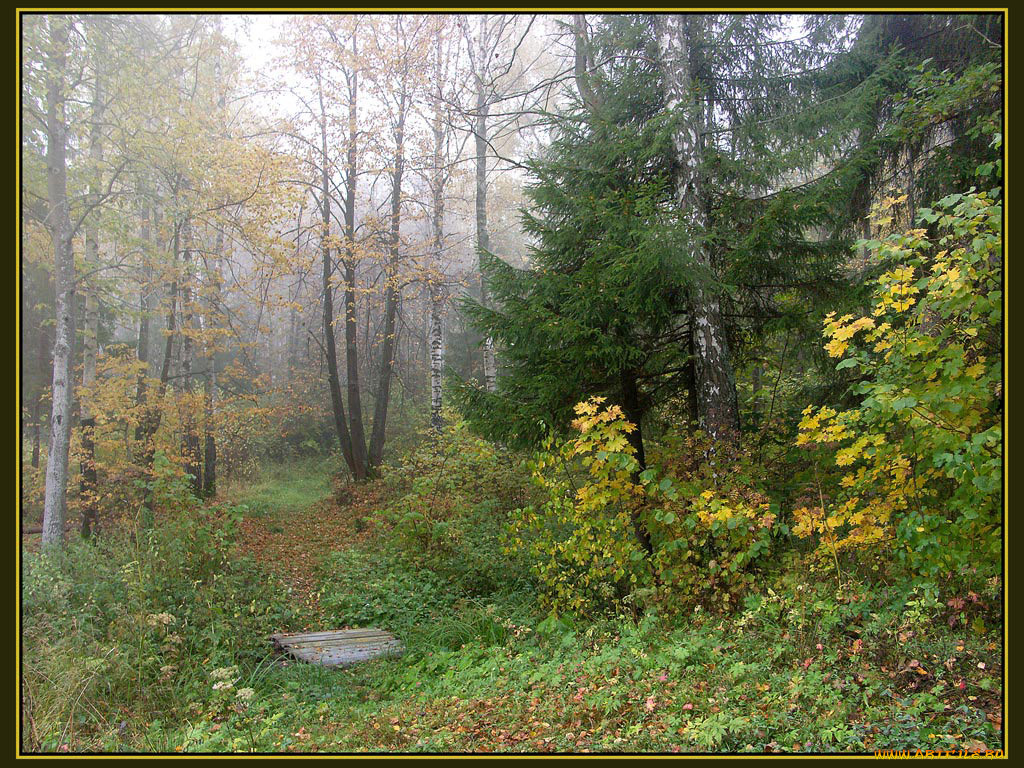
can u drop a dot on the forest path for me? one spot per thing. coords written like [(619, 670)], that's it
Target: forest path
[(298, 516)]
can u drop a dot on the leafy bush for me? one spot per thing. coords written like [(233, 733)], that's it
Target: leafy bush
[(586, 540), (579, 539), (920, 457), (454, 494), (138, 621), (714, 529)]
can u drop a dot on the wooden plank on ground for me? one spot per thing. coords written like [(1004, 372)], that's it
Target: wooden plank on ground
[(339, 647)]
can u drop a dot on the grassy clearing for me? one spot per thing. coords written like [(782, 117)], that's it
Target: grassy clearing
[(283, 489), (487, 674), (785, 674), (169, 652)]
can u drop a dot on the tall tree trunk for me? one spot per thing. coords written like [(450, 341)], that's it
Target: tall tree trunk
[(436, 355), (360, 459), (716, 386), (690, 374), (190, 436), (209, 486), (387, 361), (87, 487), (59, 225), (145, 308), (209, 489), (483, 240), (37, 416), (634, 412), (293, 310), (153, 413), (330, 346), (435, 341), (582, 61), (43, 363)]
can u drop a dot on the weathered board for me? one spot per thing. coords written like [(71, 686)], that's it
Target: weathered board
[(339, 647)]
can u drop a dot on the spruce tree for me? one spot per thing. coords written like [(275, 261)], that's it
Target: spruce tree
[(625, 279), (703, 193), (599, 309)]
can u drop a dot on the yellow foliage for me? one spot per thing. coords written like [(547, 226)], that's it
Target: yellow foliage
[(930, 412)]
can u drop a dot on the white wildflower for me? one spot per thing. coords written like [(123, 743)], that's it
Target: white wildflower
[(224, 673)]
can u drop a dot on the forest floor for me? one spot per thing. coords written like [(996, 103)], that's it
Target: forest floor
[(294, 522), (710, 686), (795, 668)]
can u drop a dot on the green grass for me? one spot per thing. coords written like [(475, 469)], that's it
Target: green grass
[(704, 684), (794, 669), (286, 488), (785, 674)]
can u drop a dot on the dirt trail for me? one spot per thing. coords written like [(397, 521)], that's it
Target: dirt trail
[(294, 542)]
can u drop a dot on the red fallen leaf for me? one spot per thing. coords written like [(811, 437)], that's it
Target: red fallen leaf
[(808, 662), (687, 706)]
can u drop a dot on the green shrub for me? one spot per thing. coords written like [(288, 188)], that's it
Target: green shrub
[(914, 472), (709, 531), (454, 495), (363, 589), (136, 623)]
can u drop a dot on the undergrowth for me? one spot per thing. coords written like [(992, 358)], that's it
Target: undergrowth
[(157, 641)]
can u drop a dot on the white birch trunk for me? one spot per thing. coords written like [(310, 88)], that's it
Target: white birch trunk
[(59, 224), (437, 293), (716, 388), (483, 240), (436, 355)]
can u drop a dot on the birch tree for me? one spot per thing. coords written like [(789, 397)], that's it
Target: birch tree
[(678, 48), (59, 225)]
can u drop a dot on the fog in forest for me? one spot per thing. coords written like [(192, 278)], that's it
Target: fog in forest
[(628, 381)]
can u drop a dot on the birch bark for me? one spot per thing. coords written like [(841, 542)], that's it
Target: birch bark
[(715, 384), (59, 225)]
